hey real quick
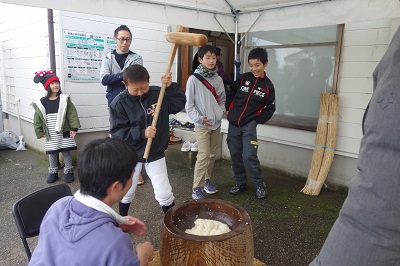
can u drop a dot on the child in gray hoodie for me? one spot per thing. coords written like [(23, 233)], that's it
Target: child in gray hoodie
[(205, 105)]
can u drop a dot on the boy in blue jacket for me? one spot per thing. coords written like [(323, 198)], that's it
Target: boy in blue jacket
[(131, 116), (249, 102)]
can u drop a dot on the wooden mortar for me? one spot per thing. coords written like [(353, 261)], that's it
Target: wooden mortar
[(180, 249)]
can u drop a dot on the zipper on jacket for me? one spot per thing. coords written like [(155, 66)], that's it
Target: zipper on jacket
[(266, 99), (144, 110), (247, 102)]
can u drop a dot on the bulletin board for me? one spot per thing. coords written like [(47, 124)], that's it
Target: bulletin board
[(83, 53)]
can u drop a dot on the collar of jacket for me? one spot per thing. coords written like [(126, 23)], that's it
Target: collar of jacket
[(115, 51), (62, 109), (265, 76)]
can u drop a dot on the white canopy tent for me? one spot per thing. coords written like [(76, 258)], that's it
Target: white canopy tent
[(231, 16)]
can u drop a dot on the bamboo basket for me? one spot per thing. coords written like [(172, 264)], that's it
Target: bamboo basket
[(329, 151), (320, 141)]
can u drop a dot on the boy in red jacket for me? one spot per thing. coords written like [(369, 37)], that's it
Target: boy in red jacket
[(250, 101)]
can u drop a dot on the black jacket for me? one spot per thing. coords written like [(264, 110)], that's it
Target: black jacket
[(250, 99), (131, 115)]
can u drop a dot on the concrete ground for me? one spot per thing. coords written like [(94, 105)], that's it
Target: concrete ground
[(289, 227)]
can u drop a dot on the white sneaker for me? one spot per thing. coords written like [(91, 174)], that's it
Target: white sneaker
[(186, 146), (194, 147)]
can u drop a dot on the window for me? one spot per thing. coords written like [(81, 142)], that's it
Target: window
[(301, 64)]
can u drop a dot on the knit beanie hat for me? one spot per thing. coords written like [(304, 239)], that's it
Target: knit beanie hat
[(45, 77)]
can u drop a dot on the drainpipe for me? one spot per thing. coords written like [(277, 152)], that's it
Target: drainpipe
[(52, 52)]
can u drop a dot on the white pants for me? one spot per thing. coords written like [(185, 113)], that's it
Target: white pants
[(157, 172)]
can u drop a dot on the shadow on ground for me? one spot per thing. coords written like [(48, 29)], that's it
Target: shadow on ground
[(289, 227)]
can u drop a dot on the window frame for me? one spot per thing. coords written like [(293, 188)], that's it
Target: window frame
[(298, 122)]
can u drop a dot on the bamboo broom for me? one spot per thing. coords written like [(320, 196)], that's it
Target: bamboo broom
[(329, 151), (320, 141)]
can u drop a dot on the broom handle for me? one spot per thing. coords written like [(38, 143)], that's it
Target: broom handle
[(171, 57)]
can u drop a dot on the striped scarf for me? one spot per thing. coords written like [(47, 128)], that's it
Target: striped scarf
[(205, 72)]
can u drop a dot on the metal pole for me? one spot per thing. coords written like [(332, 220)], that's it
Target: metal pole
[(237, 56)]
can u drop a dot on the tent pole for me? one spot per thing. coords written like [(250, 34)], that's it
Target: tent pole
[(255, 21), (227, 34), (237, 56)]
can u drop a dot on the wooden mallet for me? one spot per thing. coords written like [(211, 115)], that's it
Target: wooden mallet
[(175, 38)]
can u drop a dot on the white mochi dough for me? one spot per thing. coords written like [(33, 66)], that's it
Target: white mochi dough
[(207, 227)]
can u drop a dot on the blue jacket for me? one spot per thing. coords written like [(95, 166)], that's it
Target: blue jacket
[(73, 234)]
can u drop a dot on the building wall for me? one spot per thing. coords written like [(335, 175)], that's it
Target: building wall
[(364, 44), (23, 32), (148, 41), (24, 50)]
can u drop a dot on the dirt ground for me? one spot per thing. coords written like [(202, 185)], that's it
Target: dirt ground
[(289, 228)]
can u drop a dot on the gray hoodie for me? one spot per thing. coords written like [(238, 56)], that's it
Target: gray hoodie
[(200, 102)]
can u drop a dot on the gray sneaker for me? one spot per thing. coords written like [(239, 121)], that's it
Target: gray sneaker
[(197, 194), (261, 192), (236, 189)]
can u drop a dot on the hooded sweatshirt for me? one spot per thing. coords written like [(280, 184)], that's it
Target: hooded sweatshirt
[(73, 234), (200, 101)]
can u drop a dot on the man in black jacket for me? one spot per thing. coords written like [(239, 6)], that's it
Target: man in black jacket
[(250, 101), (131, 115)]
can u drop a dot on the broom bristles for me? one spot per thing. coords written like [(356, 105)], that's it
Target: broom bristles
[(330, 144), (320, 142)]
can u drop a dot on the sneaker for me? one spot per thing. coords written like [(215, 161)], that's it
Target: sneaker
[(208, 188), (197, 194), (261, 192), (194, 147), (186, 146), (238, 188), (69, 178), (174, 122), (188, 126), (140, 180), (52, 178)]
